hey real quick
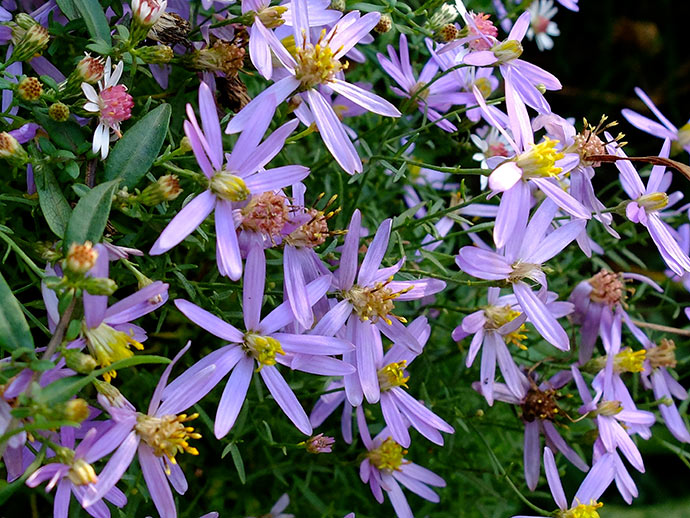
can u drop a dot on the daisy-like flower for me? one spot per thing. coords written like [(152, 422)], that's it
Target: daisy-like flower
[(490, 143), (263, 346), (647, 205), (73, 474), (112, 103), (311, 65), (541, 27), (157, 437), (585, 503), (384, 468), (230, 184), (666, 130)]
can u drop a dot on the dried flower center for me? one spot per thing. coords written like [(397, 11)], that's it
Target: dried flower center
[(116, 105), (272, 17), (607, 288), (540, 404), (582, 511), (540, 159), (507, 51), (229, 186), (109, 345), (664, 355), (262, 348), (312, 233), (387, 457), (318, 444), (588, 143), (653, 202), (266, 213), (167, 435), (524, 271), (316, 64), (498, 316), (374, 302), (221, 57), (82, 473), (484, 26), (393, 375)]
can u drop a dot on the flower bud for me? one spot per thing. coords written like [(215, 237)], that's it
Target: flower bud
[(318, 444), (338, 5), (507, 51), (11, 150), (30, 42), (185, 145), (30, 89), (113, 396), (385, 24), (166, 188), (272, 17), (90, 70), (448, 32), (78, 361), (608, 408), (156, 54), (445, 15), (59, 112), (147, 12), (99, 286), (80, 258), (75, 410)]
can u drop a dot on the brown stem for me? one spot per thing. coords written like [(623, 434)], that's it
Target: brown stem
[(60, 330), (665, 329)]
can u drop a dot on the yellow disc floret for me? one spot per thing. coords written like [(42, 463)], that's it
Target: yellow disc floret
[(316, 63), (582, 511), (108, 345), (262, 348), (374, 302), (393, 375), (387, 457), (167, 435), (628, 360), (81, 473), (540, 159), (498, 316), (229, 186)]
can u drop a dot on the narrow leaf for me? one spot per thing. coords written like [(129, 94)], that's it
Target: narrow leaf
[(14, 330), (94, 18)]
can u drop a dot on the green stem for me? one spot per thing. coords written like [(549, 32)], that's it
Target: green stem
[(22, 255)]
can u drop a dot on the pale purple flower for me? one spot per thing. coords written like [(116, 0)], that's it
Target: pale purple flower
[(305, 72), (521, 259), (585, 503), (232, 183), (328, 403), (385, 469), (683, 233), (647, 205), (278, 508), (261, 345), (665, 130), (541, 27), (73, 474)]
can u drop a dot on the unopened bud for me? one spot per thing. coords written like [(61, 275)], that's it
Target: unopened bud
[(32, 42), (24, 21), (541, 87), (166, 188), (185, 145), (445, 15), (338, 5), (448, 32), (75, 410), (99, 286), (507, 51), (155, 54), (272, 17), (111, 394), (30, 89), (90, 70), (608, 408), (80, 258), (318, 444), (385, 24), (147, 12), (11, 150), (78, 361), (59, 112)]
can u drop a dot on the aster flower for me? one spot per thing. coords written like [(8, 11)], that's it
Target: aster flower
[(647, 205), (230, 184), (261, 345), (521, 259), (278, 508), (666, 130), (314, 64), (432, 101), (157, 437), (541, 27), (585, 503), (112, 103), (384, 468), (683, 233), (366, 306), (539, 413), (73, 474)]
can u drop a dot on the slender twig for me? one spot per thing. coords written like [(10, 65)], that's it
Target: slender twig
[(665, 329), (60, 329)]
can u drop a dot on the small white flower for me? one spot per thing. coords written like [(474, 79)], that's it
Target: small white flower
[(541, 27)]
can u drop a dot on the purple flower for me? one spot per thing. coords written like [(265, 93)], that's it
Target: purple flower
[(521, 259), (230, 184), (73, 474), (318, 63), (665, 130), (384, 468), (585, 503), (683, 233), (278, 508), (261, 345)]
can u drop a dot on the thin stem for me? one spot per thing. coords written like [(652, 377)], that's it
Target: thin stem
[(60, 329), (665, 329), (14, 246)]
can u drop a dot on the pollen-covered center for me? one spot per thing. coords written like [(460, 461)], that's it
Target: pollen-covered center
[(228, 186), (588, 143), (540, 159), (582, 511), (607, 288), (374, 302), (263, 348), (393, 375), (316, 63), (81, 473), (498, 316), (167, 435), (108, 345), (540, 404), (387, 457)]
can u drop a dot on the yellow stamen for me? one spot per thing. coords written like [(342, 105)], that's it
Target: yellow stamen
[(108, 345), (167, 435), (229, 186), (387, 457), (540, 159), (82, 473), (316, 63), (262, 348), (374, 303), (628, 360), (393, 375), (583, 510)]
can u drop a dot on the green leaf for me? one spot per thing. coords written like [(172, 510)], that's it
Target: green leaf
[(14, 331), (67, 7), (55, 208), (90, 215), (96, 23), (65, 135), (236, 460), (135, 152)]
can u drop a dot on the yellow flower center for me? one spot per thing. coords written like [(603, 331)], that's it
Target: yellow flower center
[(540, 159), (628, 360), (498, 316), (272, 17), (663, 355), (582, 511), (387, 457), (423, 94), (109, 345), (229, 186), (393, 375), (684, 135), (316, 64), (484, 86), (82, 473), (167, 435), (653, 202), (372, 303), (507, 51), (262, 348)]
